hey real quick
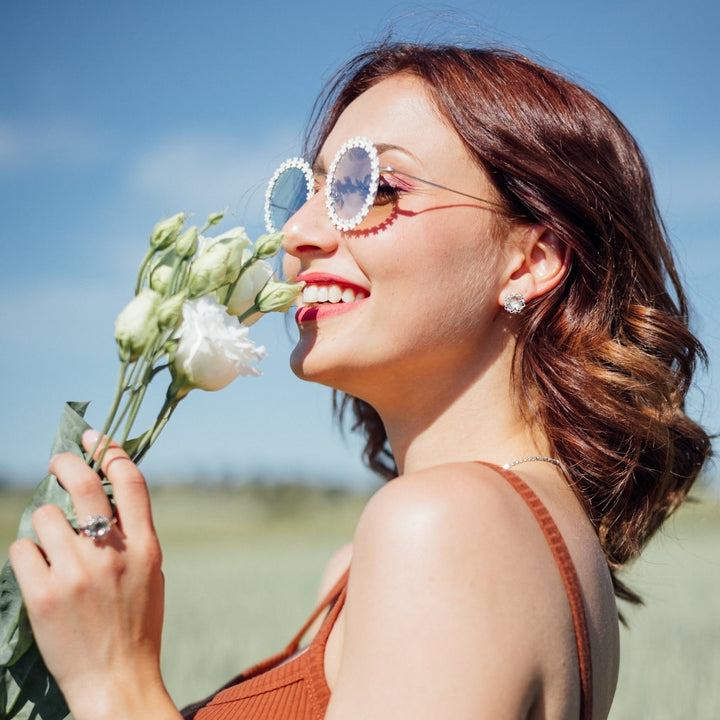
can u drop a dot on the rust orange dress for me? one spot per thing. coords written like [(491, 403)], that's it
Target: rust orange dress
[(292, 686)]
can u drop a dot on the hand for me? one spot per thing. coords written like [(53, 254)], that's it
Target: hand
[(96, 607)]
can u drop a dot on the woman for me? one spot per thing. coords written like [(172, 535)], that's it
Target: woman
[(489, 284)]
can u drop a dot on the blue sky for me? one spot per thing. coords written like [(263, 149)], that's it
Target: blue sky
[(116, 114)]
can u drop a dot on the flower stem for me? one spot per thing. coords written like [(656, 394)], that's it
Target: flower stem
[(120, 389), (161, 421), (141, 277)]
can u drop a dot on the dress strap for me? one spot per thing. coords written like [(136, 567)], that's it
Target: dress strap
[(569, 577), (325, 605)]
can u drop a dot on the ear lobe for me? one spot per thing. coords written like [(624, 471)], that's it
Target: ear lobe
[(541, 262)]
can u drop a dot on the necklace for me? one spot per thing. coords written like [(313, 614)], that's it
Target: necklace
[(532, 458)]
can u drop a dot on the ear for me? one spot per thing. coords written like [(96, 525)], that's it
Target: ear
[(537, 263)]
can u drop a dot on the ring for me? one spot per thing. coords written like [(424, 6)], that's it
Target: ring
[(97, 526)]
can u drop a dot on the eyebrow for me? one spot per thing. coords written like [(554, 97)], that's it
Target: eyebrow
[(384, 147), (318, 167)]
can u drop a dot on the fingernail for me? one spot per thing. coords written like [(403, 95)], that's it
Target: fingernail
[(90, 437)]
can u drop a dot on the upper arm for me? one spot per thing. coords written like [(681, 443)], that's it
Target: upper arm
[(437, 617), (336, 566)]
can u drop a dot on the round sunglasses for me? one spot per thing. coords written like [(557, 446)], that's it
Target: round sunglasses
[(351, 187)]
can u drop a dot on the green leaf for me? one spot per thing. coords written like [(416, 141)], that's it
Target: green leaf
[(27, 690)]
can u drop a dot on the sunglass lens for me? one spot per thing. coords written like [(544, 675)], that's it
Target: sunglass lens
[(352, 189), (287, 195)]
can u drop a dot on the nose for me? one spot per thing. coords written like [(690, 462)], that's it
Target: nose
[(309, 232)]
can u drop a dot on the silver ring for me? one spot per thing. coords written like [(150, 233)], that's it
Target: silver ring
[(97, 527)]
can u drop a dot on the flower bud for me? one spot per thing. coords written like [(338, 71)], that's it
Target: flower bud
[(214, 219), (160, 278), (187, 243), (268, 245), (165, 232), (171, 346), (137, 325), (170, 310), (277, 296), (217, 265), (252, 279)]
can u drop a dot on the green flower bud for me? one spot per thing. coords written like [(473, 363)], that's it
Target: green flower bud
[(160, 278), (186, 244), (165, 232), (253, 278), (170, 310), (171, 346), (236, 260), (268, 245), (214, 219), (277, 296), (219, 265), (137, 325)]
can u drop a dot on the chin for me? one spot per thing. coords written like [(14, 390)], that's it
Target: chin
[(312, 367), (305, 366)]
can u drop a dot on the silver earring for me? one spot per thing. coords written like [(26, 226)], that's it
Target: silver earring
[(514, 303)]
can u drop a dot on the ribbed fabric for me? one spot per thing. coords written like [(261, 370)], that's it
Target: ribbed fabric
[(292, 684), (289, 686)]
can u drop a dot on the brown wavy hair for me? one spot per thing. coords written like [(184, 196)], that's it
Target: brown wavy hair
[(602, 362)]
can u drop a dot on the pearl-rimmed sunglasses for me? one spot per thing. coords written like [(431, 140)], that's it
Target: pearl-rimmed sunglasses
[(351, 187)]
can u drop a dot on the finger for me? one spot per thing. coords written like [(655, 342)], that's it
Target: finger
[(83, 484), (28, 564), (132, 501), (56, 538)]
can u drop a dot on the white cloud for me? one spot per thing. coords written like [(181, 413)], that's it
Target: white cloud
[(205, 173), (57, 140)]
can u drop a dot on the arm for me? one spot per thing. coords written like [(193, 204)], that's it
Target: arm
[(448, 604), (96, 609)]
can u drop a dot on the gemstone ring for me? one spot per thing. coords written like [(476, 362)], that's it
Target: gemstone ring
[(97, 527)]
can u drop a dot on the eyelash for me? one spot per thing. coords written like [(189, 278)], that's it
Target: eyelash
[(390, 188), (387, 193)]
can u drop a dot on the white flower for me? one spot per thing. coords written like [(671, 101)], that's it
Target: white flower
[(213, 347), (252, 280)]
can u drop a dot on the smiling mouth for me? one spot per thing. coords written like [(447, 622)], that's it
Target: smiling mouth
[(313, 295)]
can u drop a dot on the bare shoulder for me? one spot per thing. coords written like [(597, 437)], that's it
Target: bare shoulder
[(451, 579), (463, 508)]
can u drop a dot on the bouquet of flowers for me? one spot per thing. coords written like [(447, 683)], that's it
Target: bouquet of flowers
[(195, 297)]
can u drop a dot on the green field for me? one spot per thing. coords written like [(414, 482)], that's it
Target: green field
[(242, 568)]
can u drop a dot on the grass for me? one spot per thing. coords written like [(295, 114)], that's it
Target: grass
[(242, 568)]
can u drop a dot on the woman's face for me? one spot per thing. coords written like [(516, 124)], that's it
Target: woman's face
[(419, 291)]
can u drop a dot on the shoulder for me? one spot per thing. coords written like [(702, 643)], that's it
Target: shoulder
[(450, 579), (464, 508)]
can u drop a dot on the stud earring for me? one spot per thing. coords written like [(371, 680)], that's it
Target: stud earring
[(514, 303)]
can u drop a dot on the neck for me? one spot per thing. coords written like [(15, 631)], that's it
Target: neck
[(460, 420)]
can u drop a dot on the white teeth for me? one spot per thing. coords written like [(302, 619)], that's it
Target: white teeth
[(309, 294), (313, 294), (335, 294)]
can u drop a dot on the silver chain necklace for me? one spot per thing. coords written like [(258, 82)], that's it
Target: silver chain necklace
[(531, 458)]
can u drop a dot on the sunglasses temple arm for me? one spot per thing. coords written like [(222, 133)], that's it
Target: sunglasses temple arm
[(441, 187)]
